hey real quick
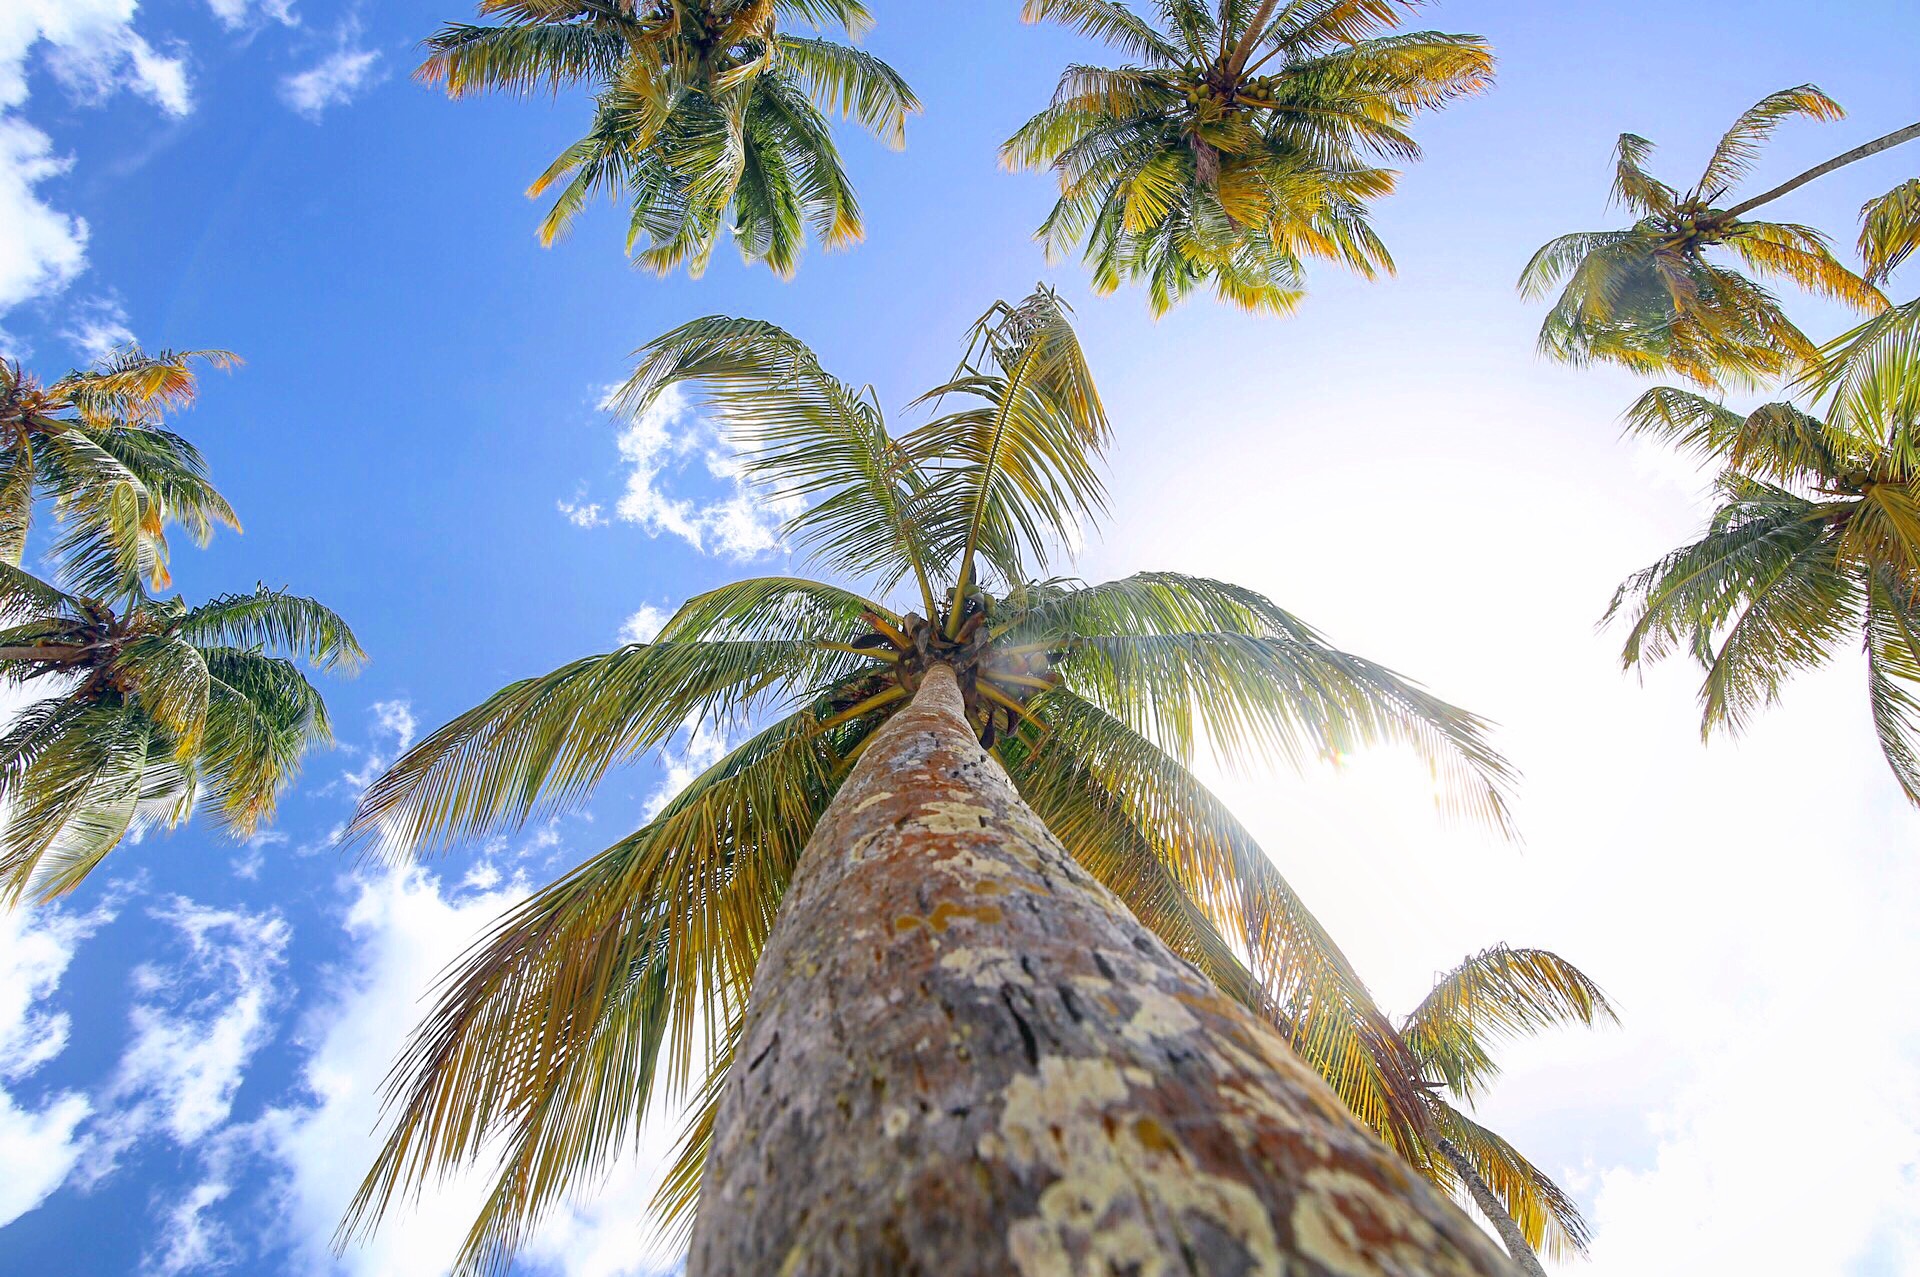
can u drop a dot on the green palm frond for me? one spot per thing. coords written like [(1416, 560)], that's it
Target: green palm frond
[(1495, 994), (1548, 1218), (1890, 229), (552, 1034), (1734, 154)]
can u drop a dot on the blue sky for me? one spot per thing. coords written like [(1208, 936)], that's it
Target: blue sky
[(189, 1047)]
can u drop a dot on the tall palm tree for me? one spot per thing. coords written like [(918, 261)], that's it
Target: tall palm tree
[(94, 442), (1243, 143), (960, 826), (1650, 297), (707, 115), (150, 706), (1815, 546), (1496, 994)]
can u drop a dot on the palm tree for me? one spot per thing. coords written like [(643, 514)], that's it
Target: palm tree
[(707, 116), (1242, 144), (1815, 545), (94, 443), (150, 706), (1495, 994), (1650, 298), (945, 881)]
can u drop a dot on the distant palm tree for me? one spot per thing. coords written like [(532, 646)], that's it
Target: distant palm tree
[(150, 707), (1648, 297), (706, 932), (1815, 545), (94, 443), (1494, 994), (1245, 144), (707, 116)]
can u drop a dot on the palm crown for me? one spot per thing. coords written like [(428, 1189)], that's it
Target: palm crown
[(1246, 144), (94, 443), (1649, 297), (1815, 544), (547, 1039), (153, 705), (707, 116)]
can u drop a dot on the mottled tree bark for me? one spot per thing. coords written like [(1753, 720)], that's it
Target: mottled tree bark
[(965, 1058), (1510, 1235)]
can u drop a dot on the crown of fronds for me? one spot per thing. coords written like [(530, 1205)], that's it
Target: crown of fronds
[(1243, 143), (708, 118), (551, 1037), (1652, 297)]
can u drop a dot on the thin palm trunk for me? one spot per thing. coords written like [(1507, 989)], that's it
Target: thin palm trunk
[(1510, 1235), (965, 1057), (1841, 160)]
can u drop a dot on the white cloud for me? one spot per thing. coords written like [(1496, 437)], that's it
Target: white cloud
[(236, 15), (190, 1240), (643, 625), (39, 1146), (661, 442), (582, 513), (99, 327), (196, 1026), (93, 51), (406, 926), (394, 727), (333, 81), (41, 248)]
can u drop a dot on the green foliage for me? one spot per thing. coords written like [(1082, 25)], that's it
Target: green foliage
[(1197, 166), (1652, 298), (94, 443), (1815, 542), (707, 117), (552, 1036), (151, 707)]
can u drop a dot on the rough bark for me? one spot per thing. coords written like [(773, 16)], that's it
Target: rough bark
[(965, 1058), (1496, 1212)]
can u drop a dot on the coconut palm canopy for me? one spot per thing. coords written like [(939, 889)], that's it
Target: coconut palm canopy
[(551, 1036), (708, 117), (1815, 545), (151, 706), (1245, 140), (94, 444), (1651, 298), (1496, 995)]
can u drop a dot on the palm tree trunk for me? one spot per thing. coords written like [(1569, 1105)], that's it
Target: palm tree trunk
[(1841, 160), (965, 1058), (1496, 1212)]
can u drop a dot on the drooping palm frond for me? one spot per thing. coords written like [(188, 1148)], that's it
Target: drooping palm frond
[(1890, 229), (1496, 994), (1241, 145), (545, 1043), (1548, 1219)]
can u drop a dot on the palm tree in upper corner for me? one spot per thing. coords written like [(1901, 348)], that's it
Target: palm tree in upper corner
[(1244, 141), (708, 117), (1495, 994), (946, 885), (150, 706), (1649, 296), (94, 442)]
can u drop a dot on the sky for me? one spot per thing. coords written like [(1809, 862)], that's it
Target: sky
[(191, 1045)]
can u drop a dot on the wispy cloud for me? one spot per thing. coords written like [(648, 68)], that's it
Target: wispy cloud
[(99, 326), (644, 624), (335, 80), (665, 449), (394, 727), (240, 15)]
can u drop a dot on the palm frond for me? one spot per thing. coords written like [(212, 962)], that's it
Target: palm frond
[(1495, 994)]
